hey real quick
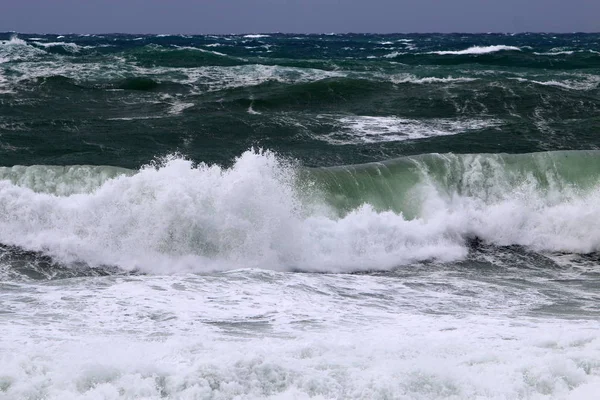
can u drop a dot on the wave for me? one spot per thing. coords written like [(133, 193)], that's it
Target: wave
[(478, 50), (16, 49), (211, 78), (180, 57), (124, 75), (13, 41), (370, 129), (501, 56), (201, 50), (265, 212), (555, 53), (585, 82), (409, 78), (71, 47), (393, 54), (220, 78)]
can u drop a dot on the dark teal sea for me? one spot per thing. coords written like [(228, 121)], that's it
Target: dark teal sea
[(281, 216)]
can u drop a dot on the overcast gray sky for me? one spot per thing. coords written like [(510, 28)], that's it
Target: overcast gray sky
[(246, 16)]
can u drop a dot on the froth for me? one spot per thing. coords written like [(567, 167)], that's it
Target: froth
[(251, 336), (371, 129), (478, 50), (181, 217), (17, 49), (261, 214)]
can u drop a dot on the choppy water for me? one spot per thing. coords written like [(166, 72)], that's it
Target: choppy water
[(289, 216)]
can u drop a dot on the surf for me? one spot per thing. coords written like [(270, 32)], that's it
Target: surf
[(268, 212)]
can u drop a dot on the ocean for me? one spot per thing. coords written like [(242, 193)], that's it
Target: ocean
[(410, 216)]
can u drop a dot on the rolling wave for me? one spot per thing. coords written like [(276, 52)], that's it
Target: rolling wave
[(265, 212)]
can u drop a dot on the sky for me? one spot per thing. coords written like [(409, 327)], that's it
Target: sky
[(298, 16)]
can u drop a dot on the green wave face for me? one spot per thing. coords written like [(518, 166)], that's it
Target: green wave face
[(397, 185), (61, 180), (273, 214)]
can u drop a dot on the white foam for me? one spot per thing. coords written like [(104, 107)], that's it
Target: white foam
[(177, 107), (370, 129), (201, 50), (284, 336), (257, 36), (251, 109), (555, 53), (219, 78), (4, 87), (394, 54), (409, 78), (256, 214), (16, 49), (206, 218), (13, 41), (478, 50), (80, 72), (585, 82), (66, 45), (135, 118), (209, 78)]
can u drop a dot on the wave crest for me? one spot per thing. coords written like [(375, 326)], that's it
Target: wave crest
[(264, 212), (477, 50)]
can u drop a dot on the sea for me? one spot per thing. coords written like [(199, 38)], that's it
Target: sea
[(285, 216)]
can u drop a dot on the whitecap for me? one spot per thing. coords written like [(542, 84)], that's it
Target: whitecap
[(477, 50)]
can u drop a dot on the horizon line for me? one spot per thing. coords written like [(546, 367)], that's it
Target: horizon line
[(309, 33)]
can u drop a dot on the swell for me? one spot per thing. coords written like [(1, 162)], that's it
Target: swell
[(266, 212), (514, 59), (537, 51), (183, 57)]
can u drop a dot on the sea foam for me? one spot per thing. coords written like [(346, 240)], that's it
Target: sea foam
[(478, 50), (260, 213)]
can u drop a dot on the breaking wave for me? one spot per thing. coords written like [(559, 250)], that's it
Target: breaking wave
[(264, 212), (478, 50)]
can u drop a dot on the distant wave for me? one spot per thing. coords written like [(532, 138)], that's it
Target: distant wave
[(477, 50), (555, 53), (68, 46), (409, 78), (371, 129), (202, 50), (395, 54), (587, 83), (17, 49), (14, 40)]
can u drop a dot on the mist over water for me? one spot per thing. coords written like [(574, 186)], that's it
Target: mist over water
[(299, 216)]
